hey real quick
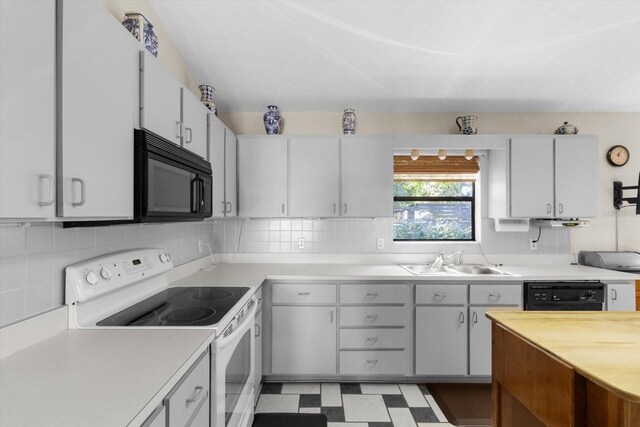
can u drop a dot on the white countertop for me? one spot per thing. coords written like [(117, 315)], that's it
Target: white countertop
[(255, 274), (118, 377), (95, 377)]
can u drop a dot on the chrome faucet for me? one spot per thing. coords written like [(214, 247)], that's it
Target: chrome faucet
[(442, 257)]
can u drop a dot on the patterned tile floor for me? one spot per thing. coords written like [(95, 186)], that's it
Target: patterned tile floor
[(355, 405)]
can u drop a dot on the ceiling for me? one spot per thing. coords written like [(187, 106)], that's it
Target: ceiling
[(418, 56)]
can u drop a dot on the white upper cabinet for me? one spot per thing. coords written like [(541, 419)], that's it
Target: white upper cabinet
[(194, 123), (230, 173), (262, 177), (576, 171), (27, 109), (160, 96), (532, 177), (222, 153), (554, 177), (314, 177), (98, 108), (367, 176)]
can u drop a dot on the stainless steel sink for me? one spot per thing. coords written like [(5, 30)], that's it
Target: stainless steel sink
[(474, 269), (424, 269)]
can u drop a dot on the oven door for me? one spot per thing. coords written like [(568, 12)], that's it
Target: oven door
[(232, 376)]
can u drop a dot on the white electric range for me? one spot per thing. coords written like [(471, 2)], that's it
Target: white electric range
[(130, 289)]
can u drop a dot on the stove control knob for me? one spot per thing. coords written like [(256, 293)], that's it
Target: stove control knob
[(164, 258), (91, 278), (589, 294), (105, 273)]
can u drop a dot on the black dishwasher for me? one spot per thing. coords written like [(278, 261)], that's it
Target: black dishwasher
[(564, 296)]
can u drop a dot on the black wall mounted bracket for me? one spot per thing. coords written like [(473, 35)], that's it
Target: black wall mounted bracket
[(619, 199)]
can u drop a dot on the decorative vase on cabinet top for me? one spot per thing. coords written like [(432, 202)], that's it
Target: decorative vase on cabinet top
[(206, 97), (272, 120), (142, 30), (566, 129), (467, 125), (349, 122)]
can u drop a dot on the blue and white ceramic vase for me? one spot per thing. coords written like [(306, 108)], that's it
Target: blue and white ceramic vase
[(142, 30), (349, 122), (272, 120), (206, 97)]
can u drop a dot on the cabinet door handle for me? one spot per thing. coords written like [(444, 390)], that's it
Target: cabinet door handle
[(230, 205), (224, 207), (614, 294), (188, 131), (82, 192), (442, 295), (373, 317), (283, 208), (335, 207), (178, 129), (196, 395), (461, 317), (50, 192), (560, 208), (345, 208), (474, 317), (548, 207), (331, 319), (258, 330)]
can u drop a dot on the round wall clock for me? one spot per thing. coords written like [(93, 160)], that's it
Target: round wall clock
[(618, 155)]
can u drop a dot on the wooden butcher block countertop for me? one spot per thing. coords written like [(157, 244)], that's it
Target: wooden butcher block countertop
[(603, 347)]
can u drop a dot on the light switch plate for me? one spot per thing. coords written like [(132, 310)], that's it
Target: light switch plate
[(533, 245), (380, 243)]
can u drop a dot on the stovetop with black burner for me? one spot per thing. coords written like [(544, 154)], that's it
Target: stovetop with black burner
[(180, 306)]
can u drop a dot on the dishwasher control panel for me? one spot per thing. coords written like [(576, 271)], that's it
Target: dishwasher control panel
[(558, 296)]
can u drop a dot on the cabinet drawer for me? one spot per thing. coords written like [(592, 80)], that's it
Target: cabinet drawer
[(374, 294), (373, 316), (372, 339), (292, 293), (441, 294), (372, 362), (187, 397), (495, 294)]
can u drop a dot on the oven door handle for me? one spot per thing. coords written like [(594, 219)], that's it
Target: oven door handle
[(249, 319)]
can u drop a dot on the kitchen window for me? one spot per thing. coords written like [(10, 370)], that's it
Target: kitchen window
[(434, 200)]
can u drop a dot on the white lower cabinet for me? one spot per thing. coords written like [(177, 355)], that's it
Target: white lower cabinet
[(304, 340), (441, 340), (621, 297), (479, 341), (188, 403), (372, 362)]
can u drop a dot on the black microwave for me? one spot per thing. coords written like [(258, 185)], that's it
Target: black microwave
[(171, 184)]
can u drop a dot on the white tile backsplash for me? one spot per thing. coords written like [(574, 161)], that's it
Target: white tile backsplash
[(33, 256)]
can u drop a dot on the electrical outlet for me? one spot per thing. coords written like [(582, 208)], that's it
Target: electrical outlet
[(380, 243), (200, 246), (533, 245), (300, 243)]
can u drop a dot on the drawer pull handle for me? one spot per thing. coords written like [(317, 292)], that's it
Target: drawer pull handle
[(495, 295), (373, 317), (196, 395), (372, 362), (303, 294), (372, 295), (373, 339), (461, 318), (442, 295)]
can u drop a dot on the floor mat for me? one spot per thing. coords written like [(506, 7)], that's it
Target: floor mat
[(290, 420), (464, 404)]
